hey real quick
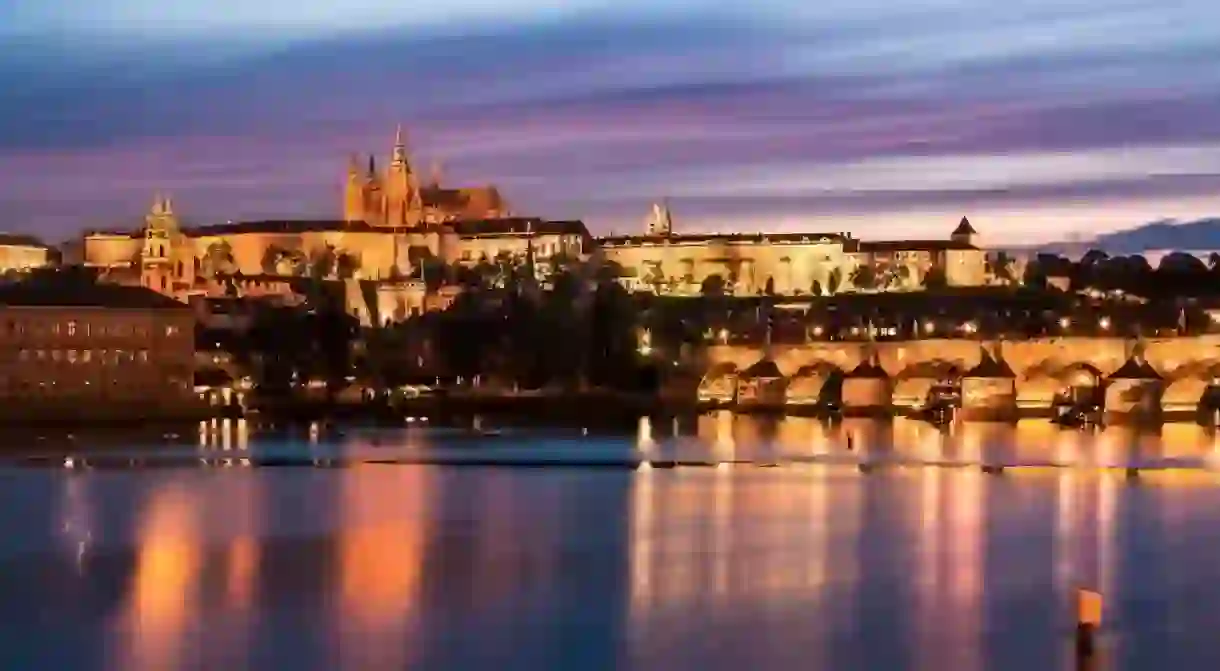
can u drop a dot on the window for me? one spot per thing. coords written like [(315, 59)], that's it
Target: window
[(71, 328), (71, 356), (56, 355), (86, 355), (171, 330), (144, 356), (40, 354)]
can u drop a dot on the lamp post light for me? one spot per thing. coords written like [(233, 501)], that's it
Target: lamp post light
[(1064, 323), (1104, 323)]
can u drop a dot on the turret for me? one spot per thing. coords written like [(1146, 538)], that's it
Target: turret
[(965, 233)]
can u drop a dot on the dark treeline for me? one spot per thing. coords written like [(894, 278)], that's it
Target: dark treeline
[(1176, 275)]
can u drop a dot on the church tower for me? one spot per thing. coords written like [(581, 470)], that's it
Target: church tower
[(660, 222), (353, 192), (160, 232), (402, 203)]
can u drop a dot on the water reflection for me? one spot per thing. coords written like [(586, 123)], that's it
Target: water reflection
[(810, 566), (162, 599)]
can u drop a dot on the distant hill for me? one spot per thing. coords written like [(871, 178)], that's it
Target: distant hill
[(1167, 234)]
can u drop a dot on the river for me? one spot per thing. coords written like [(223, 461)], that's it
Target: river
[(924, 562)]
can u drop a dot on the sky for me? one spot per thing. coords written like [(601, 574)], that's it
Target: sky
[(1041, 120)]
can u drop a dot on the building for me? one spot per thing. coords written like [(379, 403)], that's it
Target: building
[(392, 226), (748, 264), (20, 254), (72, 350)]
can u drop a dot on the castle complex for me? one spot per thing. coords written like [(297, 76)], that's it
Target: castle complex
[(790, 264), (394, 223)]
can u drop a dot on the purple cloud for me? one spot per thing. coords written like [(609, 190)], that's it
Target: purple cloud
[(593, 120)]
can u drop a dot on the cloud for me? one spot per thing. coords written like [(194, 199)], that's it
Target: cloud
[(796, 108)]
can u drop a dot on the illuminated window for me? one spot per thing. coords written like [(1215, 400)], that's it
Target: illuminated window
[(71, 328), (71, 356), (144, 356), (56, 355), (86, 355), (171, 330), (40, 354)]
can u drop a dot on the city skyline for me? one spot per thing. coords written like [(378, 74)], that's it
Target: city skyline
[(1038, 123)]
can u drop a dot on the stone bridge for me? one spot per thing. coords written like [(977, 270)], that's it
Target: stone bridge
[(1043, 368)]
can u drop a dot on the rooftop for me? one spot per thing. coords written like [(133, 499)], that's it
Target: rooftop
[(51, 291)]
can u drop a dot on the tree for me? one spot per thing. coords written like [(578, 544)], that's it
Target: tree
[(1002, 267), (655, 277), (713, 285), (346, 265), (864, 277), (217, 258), (272, 256), (322, 262), (834, 281), (935, 278)]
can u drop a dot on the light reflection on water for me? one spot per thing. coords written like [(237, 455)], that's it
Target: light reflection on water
[(810, 566)]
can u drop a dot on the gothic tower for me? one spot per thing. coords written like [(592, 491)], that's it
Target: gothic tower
[(402, 203), (353, 192), (160, 233), (660, 222)]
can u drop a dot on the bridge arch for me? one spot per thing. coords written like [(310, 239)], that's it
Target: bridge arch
[(913, 384), (1192, 388), (818, 383), (1050, 381), (719, 384)]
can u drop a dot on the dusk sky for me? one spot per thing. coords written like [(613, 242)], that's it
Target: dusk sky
[(1040, 119)]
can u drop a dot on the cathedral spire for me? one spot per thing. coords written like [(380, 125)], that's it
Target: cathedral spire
[(399, 155), (372, 174)]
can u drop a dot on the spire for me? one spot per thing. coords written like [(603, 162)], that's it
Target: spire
[(158, 204), (353, 165), (436, 173), (167, 206), (372, 174), (399, 155)]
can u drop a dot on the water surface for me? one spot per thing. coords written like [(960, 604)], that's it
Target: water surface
[(811, 564)]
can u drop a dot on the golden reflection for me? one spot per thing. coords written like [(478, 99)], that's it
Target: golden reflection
[(381, 543), (971, 437), (1036, 440), (644, 440), (641, 525), (1067, 448), (722, 513), (726, 441), (226, 434), (162, 601), (241, 562)]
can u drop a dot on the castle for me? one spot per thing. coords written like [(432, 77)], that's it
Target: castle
[(393, 224), (790, 264)]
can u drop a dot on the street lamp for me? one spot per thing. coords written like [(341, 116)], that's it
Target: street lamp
[(1104, 323), (1064, 323)]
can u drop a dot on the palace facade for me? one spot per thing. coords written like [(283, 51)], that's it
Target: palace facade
[(810, 264)]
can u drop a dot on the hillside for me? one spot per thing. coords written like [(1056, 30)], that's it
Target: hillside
[(1199, 235)]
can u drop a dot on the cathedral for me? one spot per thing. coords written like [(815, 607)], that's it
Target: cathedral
[(398, 198)]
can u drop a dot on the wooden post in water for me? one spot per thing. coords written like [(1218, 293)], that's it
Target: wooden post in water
[(1088, 621)]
